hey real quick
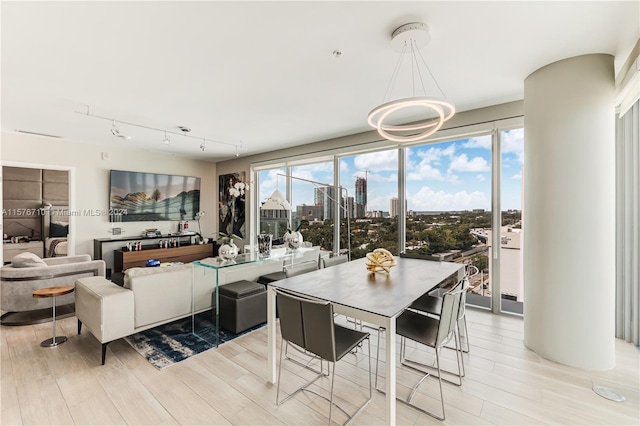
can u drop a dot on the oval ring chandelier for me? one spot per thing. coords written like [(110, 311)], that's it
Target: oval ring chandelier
[(409, 38)]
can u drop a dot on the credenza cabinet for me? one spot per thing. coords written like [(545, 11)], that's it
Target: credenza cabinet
[(124, 259)]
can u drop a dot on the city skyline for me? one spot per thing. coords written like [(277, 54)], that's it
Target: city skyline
[(445, 176)]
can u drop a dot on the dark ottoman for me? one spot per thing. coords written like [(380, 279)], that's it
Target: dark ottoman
[(243, 304)]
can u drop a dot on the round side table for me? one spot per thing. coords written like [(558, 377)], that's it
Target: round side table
[(53, 292)]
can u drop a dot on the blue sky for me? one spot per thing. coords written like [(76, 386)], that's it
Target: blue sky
[(445, 176)]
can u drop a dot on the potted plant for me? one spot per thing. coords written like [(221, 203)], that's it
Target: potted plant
[(228, 250)]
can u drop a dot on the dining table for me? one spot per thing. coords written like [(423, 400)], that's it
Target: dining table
[(376, 298)]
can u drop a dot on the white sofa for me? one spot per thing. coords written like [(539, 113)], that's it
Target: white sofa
[(153, 296)]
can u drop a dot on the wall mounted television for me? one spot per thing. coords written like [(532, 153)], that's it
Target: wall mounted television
[(137, 197)]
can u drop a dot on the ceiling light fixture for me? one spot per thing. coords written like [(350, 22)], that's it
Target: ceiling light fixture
[(184, 132), (410, 38), (114, 129)]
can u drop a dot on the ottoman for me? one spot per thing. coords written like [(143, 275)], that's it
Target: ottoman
[(243, 304)]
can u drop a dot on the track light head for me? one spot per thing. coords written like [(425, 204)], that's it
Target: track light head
[(114, 130), (166, 139)]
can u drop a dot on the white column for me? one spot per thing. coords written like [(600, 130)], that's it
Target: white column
[(569, 191)]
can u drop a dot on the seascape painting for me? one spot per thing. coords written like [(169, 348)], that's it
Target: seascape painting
[(136, 196)]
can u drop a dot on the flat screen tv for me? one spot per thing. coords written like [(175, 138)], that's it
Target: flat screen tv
[(137, 197)]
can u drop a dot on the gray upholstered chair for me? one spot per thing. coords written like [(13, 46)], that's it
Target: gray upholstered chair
[(25, 274), (434, 333), (300, 268), (308, 324), (335, 260)]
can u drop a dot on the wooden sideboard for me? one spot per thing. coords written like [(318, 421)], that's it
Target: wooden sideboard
[(123, 259)]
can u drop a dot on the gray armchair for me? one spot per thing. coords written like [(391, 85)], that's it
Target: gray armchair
[(17, 284)]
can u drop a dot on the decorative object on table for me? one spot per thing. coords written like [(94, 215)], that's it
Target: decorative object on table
[(152, 262), (380, 260), (231, 203), (199, 237), (264, 244), (228, 250), (170, 343), (293, 239)]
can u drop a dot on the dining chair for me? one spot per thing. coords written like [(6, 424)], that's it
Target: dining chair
[(432, 304), (434, 333), (300, 268), (308, 324), (335, 260)]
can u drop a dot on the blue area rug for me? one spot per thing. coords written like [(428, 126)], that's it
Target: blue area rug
[(168, 344)]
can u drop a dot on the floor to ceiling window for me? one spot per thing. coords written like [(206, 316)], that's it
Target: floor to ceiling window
[(511, 227), (272, 221), (448, 186), (312, 202), (451, 187), (371, 181)]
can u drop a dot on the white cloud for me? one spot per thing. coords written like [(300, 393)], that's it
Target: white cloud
[(379, 161), (433, 154), (377, 177), (513, 143), (344, 166), (270, 182), (426, 199), (517, 176), (425, 171), (462, 163), (481, 142), (480, 178), (429, 160)]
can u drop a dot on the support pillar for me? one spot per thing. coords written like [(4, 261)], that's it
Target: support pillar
[(569, 191)]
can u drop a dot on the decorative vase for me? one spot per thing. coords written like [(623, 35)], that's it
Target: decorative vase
[(292, 239), (228, 251), (264, 244)]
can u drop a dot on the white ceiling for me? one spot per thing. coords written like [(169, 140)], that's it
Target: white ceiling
[(263, 74)]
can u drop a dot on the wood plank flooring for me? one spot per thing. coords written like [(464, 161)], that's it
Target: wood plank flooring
[(505, 383)]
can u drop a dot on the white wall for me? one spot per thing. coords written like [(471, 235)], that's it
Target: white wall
[(91, 180)]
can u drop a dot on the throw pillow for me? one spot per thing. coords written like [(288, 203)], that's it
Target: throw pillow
[(26, 260), (58, 229)]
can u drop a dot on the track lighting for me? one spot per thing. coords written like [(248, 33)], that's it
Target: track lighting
[(183, 132)]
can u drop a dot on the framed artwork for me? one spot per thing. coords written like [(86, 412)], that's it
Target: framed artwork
[(231, 208)]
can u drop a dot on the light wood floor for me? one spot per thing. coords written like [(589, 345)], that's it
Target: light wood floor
[(505, 384)]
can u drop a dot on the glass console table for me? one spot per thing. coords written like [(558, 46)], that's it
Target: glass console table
[(206, 271)]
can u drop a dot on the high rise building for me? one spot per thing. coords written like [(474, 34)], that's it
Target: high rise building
[(361, 197), (326, 196), (393, 207)]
